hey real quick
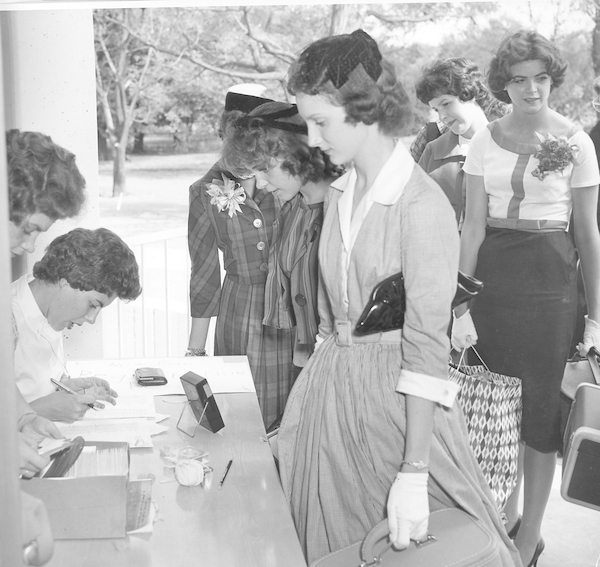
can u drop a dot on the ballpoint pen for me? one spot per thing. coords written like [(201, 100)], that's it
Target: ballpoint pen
[(64, 388), (225, 473)]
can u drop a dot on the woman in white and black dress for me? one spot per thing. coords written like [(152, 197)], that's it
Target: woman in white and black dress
[(515, 239)]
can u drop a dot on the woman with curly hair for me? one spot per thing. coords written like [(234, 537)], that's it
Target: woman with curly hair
[(454, 89), (272, 143), (81, 272), (230, 214), (527, 173), (371, 428), (44, 185)]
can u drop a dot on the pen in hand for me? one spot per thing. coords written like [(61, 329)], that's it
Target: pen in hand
[(225, 474), (64, 388)]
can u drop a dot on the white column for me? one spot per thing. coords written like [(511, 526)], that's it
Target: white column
[(50, 87), (10, 517)]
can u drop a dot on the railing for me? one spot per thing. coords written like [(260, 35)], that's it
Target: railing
[(157, 324)]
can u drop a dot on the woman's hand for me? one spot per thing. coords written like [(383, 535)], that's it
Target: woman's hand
[(591, 337), (38, 427), (62, 406), (408, 509), (464, 334), (38, 543), (30, 461), (97, 387)]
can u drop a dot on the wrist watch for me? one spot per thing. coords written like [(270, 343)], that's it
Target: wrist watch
[(195, 352), (419, 465)]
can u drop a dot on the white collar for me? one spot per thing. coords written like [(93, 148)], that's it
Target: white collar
[(33, 315), (390, 181)]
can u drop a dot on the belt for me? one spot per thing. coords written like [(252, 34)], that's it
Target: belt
[(344, 336), (528, 224)]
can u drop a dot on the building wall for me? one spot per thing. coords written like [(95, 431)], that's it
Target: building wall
[(49, 86)]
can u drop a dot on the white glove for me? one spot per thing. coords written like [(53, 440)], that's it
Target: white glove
[(408, 509), (591, 336), (464, 334)]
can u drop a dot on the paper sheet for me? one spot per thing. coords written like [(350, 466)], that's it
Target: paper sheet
[(129, 405), (136, 432), (225, 374)]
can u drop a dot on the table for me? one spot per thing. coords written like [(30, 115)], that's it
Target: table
[(246, 523)]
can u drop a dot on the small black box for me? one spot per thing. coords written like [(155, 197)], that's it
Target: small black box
[(202, 401)]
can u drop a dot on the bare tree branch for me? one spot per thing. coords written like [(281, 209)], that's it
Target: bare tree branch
[(266, 76), (271, 48), (389, 19)]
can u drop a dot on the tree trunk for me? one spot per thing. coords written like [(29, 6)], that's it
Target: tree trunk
[(596, 43), (138, 143), (103, 148), (119, 169)]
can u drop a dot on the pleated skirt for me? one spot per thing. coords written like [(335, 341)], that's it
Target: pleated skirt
[(239, 331), (341, 443), (525, 318)]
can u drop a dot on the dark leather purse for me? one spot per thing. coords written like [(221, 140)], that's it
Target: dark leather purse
[(385, 309), (468, 287), (386, 306)]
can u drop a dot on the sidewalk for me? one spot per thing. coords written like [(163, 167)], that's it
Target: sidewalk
[(571, 532)]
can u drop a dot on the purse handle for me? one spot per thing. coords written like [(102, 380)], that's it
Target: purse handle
[(462, 357), (592, 357), (378, 532), (367, 549)]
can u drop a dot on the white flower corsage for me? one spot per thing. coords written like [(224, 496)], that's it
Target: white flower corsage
[(554, 154), (228, 196)]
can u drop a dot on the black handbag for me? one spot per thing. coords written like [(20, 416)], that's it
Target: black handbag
[(468, 287), (385, 309), (386, 306)]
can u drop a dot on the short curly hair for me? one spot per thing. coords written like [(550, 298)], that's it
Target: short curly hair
[(524, 45), (251, 145), (382, 101), (461, 78), (91, 260), (42, 178)]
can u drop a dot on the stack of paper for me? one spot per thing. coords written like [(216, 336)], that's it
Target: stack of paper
[(133, 419)]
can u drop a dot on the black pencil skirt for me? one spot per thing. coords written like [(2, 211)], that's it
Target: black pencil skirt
[(525, 318)]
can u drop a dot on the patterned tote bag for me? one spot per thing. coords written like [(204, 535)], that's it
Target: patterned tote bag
[(491, 404)]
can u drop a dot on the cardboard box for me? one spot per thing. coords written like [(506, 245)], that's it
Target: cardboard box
[(84, 508)]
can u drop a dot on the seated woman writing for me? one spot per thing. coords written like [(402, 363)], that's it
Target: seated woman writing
[(82, 272)]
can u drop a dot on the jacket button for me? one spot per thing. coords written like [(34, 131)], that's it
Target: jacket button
[(261, 245), (257, 223), (300, 300), (264, 267)]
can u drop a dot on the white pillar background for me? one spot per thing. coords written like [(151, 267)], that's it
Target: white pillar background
[(50, 87)]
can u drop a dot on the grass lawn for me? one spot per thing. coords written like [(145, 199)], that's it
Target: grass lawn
[(156, 194)]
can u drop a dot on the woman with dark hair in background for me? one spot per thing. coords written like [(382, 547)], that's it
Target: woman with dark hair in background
[(371, 428), (272, 143), (454, 89), (526, 173), (44, 185), (237, 218)]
